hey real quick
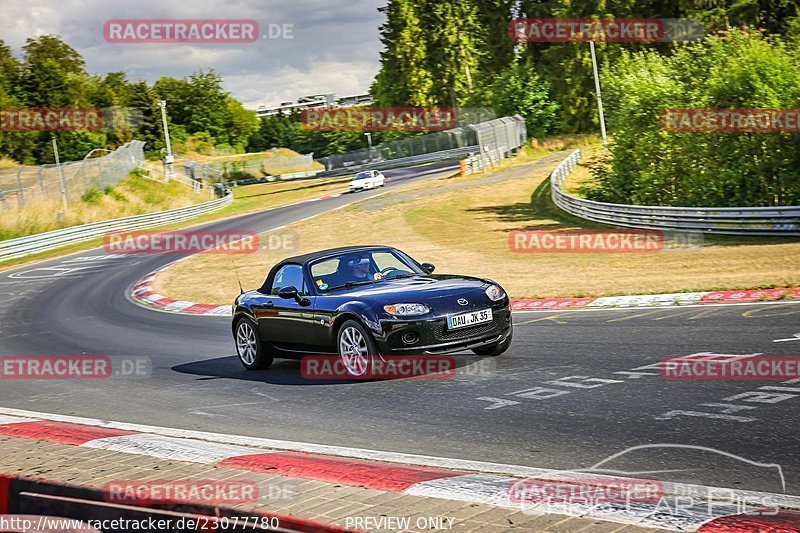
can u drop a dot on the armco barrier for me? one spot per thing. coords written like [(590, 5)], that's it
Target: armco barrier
[(42, 242), (33, 497), (763, 221)]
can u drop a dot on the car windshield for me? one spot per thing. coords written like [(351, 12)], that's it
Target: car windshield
[(361, 267), (362, 176)]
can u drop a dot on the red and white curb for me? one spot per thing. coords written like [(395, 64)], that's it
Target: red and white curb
[(418, 475), (143, 293), (659, 300)]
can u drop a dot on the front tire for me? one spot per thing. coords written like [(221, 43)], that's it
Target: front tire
[(494, 349), (251, 351), (356, 348)]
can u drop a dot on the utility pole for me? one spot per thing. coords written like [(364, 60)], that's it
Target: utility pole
[(369, 141), (60, 176), (169, 159), (599, 98)]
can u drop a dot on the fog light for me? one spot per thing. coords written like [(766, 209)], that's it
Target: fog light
[(410, 337)]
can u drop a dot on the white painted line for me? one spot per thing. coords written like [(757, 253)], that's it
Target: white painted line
[(644, 300), (177, 306), (494, 490), (14, 420), (476, 488), (519, 471), (171, 448), (796, 337)]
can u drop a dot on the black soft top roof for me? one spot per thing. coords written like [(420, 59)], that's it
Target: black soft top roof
[(305, 258)]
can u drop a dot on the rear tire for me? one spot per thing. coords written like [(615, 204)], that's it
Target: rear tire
[(356, 348), (494, 349), (251, 351)]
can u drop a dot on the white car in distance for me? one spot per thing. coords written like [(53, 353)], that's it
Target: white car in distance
[(369, 179)]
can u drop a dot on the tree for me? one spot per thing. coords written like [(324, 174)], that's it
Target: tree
[(493, 16), (655, 165), (243, 123), (520, 90), (455, 49), (50, 69), (404, 77), (9, 71), (142, 99)]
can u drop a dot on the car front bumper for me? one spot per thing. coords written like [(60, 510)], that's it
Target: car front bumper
[(434, 337)]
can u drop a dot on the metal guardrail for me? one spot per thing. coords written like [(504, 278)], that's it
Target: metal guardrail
[(41, 242), (759, 221)]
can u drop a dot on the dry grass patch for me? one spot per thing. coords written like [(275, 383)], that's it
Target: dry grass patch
[(249, 199), (133, 195)]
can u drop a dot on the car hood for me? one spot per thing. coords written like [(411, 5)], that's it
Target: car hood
[(439, 291)]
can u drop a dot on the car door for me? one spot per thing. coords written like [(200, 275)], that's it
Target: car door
[(285, 322)]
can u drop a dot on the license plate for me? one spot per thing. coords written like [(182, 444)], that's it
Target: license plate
[(469, 319)]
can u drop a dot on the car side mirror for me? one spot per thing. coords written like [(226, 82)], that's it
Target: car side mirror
[(428, 267), (288, 292)]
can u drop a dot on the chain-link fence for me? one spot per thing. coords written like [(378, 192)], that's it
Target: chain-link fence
[(68, 181), (256, 167), (506, 134)]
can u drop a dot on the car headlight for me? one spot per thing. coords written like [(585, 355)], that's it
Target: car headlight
[(406, 309), (495, 292)]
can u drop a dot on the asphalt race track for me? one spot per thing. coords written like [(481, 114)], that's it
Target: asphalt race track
[(573, 390)]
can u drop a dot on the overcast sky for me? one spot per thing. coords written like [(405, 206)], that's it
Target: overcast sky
[(335, 45)]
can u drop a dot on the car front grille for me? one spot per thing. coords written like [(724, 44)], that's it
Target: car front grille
[(443, 334)]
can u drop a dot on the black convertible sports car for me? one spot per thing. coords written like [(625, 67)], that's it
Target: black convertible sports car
[(365, 302)]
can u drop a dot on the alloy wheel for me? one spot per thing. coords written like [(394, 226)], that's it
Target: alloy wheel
[(353, 351), (246, 343)]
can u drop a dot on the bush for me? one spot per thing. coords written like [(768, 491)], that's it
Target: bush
[(92, 197), (657, 167), (519, 90), (110, 191)]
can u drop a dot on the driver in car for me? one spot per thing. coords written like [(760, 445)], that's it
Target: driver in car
[(359, 268)]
